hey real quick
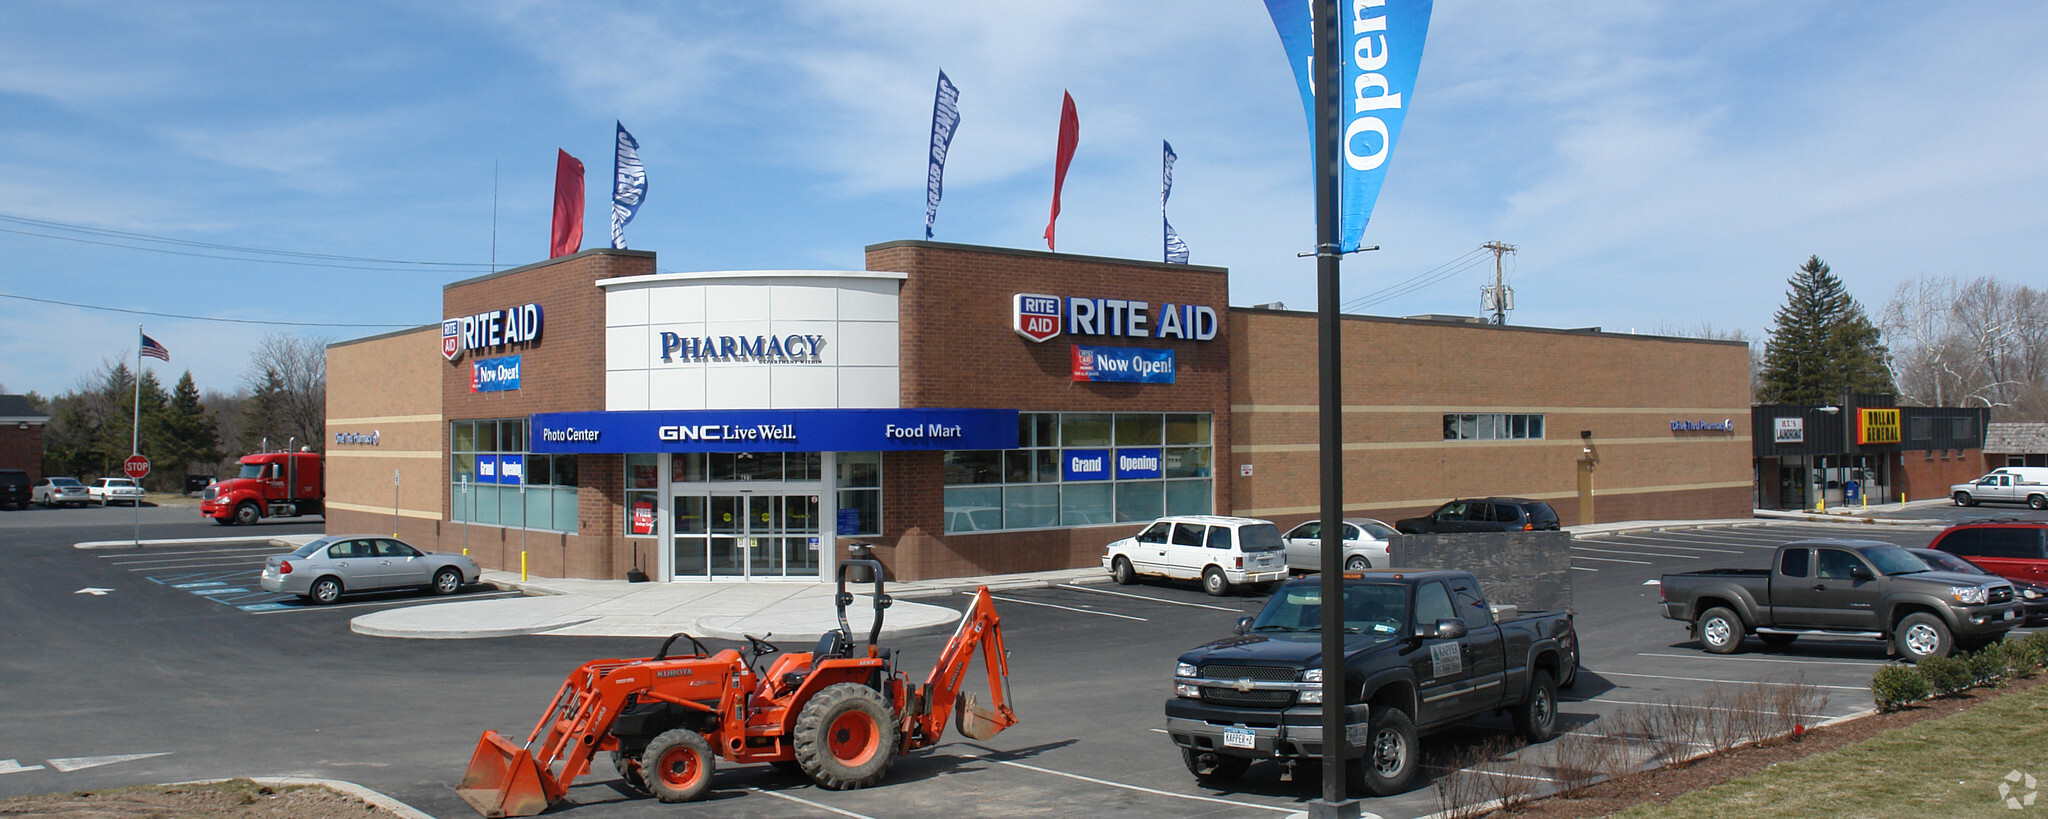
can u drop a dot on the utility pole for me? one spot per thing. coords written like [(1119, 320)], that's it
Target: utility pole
[(1499, 292)]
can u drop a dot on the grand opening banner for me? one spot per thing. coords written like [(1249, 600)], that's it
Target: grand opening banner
[(1382, 46)]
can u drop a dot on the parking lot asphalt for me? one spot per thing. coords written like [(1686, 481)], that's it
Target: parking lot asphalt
[(191, 686)]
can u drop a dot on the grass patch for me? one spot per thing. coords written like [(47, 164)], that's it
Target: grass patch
[(1951, 766)]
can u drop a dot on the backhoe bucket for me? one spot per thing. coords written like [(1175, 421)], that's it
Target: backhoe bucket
[(503, 780), (975, 721)]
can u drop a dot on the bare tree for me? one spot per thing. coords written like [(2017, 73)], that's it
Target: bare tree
[(1979, 343), (287, 379), (1707, 330)]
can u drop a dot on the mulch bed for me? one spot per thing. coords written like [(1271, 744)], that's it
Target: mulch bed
[(1664, 784)]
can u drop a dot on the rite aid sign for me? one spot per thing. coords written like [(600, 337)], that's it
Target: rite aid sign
[(497, 328), (1040, 317)]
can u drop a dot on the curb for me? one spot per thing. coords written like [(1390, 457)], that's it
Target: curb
[(1822, 517), (339, 786), (191, 541), (463, 634)]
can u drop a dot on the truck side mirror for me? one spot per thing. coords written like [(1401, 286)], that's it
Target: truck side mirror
[(1858, 573), (1244, 626)]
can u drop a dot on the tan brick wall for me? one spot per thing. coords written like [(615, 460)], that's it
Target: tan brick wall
[(1924, 474), (1400, 377), (958, 350), (387, 385)]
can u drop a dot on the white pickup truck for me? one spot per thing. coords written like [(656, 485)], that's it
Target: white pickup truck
[(2012, 484)]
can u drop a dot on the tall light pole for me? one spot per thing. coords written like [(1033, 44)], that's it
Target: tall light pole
[(1329, 67)]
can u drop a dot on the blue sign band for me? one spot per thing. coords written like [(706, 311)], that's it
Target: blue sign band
[(1134, 464), (1084, 464), (1142, 365), (809, 430)]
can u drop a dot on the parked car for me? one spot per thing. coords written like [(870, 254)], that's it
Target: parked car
[(2017, 550), (1222, 552), (2033, 596), (1483, 515), (2012, 484), (325, 569), (15, 488), (1843, 588), (1365, 545), (114, 490), (59, 492)]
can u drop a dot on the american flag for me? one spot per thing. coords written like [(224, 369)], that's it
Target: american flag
[(154, 350)]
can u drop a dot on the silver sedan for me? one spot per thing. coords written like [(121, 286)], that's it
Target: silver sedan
[(1365, 545), (321, 571)]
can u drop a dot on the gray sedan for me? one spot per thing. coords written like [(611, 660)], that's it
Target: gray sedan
[(321, 571)]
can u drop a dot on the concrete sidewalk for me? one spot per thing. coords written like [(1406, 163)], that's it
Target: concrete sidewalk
[(794, 610)]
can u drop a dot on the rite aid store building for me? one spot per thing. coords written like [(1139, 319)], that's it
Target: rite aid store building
[(972, 410)]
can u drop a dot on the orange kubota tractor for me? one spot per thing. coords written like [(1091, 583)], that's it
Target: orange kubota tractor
[(838, 715)]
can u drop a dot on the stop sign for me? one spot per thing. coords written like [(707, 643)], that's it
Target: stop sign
[(136, 466)]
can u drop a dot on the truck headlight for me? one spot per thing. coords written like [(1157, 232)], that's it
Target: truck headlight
[(1184, 670), (1187, 690), (1968, 595), (1314, 675)]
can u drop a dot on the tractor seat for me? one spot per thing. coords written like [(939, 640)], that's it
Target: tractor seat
[(833, 645)]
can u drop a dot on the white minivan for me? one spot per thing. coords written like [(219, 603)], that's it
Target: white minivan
[(1222, 552), (2012, 484)]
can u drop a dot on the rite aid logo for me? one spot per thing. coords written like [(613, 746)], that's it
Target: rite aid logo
[(1037, 316)]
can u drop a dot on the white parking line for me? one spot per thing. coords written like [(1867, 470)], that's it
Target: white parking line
[(1655, 545), (1613, 560), (1502, 774), (1153, 599), (154, 555), (404, 602), (1068, 608), (1625, 552), (1583, 569), (243, 563), (1682, 705), (174, 562), (1763, 659), (1108, 783), (1732, 682), (800, 801)]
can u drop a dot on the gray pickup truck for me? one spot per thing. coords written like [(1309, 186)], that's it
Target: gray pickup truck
[(1843, 588)]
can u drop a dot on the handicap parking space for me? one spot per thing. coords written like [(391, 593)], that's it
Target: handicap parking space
[(230, 573)]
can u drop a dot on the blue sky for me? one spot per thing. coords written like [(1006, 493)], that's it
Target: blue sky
[(1659, 165)]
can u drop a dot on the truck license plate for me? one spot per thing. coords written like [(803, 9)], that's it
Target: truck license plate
[(1239, 738), (2009, 614)]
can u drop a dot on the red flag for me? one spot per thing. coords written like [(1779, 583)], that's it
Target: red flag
[(568, 233), (1070, 135)]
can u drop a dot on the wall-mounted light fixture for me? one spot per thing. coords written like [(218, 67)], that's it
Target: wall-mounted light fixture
[(1829, 409)]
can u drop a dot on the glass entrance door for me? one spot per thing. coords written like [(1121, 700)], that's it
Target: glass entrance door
[(744, 535)]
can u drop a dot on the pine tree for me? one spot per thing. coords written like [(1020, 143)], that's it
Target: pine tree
[(188, 435), (1823, 345)]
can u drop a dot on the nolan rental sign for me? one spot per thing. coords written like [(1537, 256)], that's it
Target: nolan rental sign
[(1040, 317)]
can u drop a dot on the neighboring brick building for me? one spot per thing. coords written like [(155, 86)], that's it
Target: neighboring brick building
[(970, 410), (21, 436), (2015, 443), (1807, 455)]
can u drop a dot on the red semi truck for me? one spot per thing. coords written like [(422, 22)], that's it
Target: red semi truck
[(270, 485)]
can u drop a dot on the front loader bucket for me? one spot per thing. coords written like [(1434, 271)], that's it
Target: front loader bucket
[(503, 780), (975, 721)]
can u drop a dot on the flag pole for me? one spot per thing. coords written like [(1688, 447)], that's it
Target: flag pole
[(135, 433)]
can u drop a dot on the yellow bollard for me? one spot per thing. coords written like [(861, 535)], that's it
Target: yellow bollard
[(1822, 505), (522, 567), (465, 552)]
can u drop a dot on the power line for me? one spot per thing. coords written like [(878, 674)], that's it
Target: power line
[(196, 318), (1434, 275), (284, 256)]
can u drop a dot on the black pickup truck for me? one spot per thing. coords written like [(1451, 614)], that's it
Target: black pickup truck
[(1422, 651), (1843, 588)]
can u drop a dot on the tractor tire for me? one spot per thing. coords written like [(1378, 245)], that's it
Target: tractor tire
[(1225, 768), (1536, 717), (628, 766), (1214, 582), (1719, 631), (678, 765), (1356, 563), (247, 514), (447, 581), (324, 591), (846, 737), (1922, 635), (1392, 758), (1120, 570)]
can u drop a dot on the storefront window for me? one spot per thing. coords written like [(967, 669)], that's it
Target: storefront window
[(1124, 467), (495, 481), (860, 493)]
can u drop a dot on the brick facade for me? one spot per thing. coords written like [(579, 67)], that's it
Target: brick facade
[(959, 350), (1928, 473)]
